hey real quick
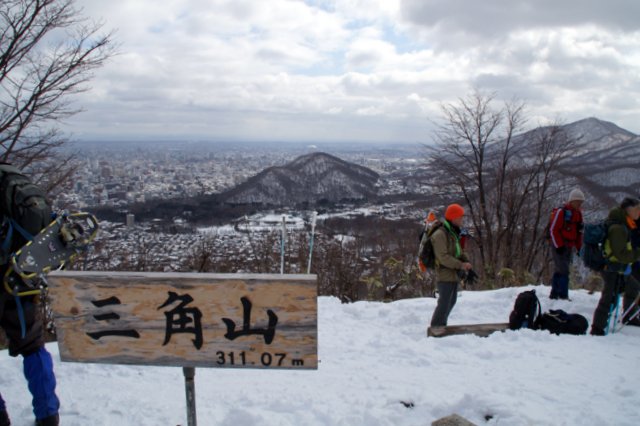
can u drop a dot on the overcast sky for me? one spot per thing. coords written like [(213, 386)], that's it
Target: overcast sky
[(353, 70)]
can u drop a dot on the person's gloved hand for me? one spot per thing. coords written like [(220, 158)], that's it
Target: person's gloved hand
[(471, 277), (561, 250)]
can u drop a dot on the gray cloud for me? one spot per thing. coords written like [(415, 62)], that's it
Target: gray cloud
[(352, 69), (495, 18)]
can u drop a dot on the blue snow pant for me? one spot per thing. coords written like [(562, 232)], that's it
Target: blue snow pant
[(560, 280), (37, 362)]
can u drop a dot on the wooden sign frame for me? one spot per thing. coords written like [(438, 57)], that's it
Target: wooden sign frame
[(186, 319)]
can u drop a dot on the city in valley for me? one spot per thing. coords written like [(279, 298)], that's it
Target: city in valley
[(116, 176)]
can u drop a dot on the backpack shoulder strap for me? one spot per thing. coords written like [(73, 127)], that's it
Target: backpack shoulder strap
[(536, 320), (436, 225)]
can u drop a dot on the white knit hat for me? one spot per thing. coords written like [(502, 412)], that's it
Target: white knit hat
[(576, 195)]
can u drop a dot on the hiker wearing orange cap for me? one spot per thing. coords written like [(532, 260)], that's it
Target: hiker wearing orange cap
[(431, 217), (450, 260)]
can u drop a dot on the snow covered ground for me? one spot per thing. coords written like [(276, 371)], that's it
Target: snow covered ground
[(373, 357)]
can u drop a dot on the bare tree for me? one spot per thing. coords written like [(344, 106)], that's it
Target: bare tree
[(37, 78), (201, 257), (503, 176)]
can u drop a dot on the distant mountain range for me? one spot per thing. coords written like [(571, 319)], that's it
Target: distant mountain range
[(605, 161), (312, 178), (605, 164)]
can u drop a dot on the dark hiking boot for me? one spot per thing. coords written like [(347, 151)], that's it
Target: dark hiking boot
[(4, 418), (52, 420), (596, 331)]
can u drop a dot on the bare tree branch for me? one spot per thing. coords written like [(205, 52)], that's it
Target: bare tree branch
[(505, 177), (38, 79)]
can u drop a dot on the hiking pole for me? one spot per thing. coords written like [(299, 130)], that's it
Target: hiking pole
[(635, 304), (617, 292), (611, 309), (631, 318), (612, 325)]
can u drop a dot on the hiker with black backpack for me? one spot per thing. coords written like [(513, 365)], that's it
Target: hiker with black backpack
[(621, 254), (450, 262), (24, 211), (565, 229)]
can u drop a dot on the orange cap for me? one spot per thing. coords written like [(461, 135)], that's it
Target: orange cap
[(431, 217), (454, 211)]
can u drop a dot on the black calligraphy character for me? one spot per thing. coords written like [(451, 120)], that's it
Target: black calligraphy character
[(110, 316), (179, 317), (268, 332)]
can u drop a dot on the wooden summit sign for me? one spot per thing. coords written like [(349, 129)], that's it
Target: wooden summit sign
[(186, 319)]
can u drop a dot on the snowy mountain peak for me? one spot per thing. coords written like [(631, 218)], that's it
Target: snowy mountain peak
[(602, 161), (594, 128), (307, 179)]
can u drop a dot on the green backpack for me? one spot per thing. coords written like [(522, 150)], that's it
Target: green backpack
[(24, 210)]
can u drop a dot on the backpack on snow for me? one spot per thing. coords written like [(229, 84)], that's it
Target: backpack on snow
[(426, 254), (592, 253), (559, 322), (24, 210), (526, 311)]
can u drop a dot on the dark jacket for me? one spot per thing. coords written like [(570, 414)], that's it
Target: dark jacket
[(449, 258), (618, 247)]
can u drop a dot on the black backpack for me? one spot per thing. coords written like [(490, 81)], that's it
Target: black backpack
[(426, 254), (525, 312), (24, 210), (560, 322), (592, 253)]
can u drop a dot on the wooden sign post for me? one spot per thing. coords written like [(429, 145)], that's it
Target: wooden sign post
[(186, 319)]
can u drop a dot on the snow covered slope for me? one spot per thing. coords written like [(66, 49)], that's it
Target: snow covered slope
[(373, 357)]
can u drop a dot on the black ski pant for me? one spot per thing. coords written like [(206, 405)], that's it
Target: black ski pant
[(615, 283), (447, 297)]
